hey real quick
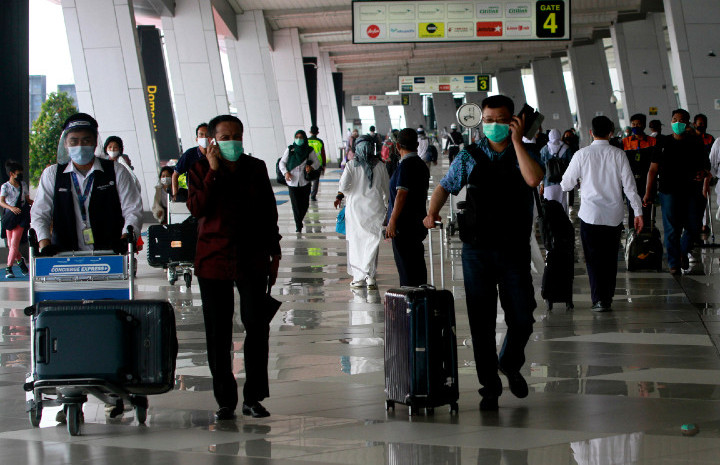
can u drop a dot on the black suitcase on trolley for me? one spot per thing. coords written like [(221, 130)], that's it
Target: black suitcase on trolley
[(644, 251), (172, 243), (421, 347), (81, 339)]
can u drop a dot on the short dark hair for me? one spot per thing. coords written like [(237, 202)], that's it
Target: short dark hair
[(314, 129), (11, 166), (372, 128), (639, 117), (408, 139), (655, 124), (115, 139), (683, 113), (212, 125), (498, 101), (201, 125), (602, 126), (169, 169), (701, 116)]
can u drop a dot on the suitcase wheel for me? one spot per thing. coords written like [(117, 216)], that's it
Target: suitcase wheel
[(73, 418), (141, 414), (454, 408), (172, 275), (187, 275), (548, 304), (389, 404), (412, 410), (35, 415), (570, 306), (429, 411)]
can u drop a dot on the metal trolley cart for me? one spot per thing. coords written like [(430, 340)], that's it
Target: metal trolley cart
[(172, 246), (75, 276)]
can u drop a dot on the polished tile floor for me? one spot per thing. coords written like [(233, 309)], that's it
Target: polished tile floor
[(605, 389)]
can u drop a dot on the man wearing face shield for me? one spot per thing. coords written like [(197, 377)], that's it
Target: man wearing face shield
[(187, 160), (500, 174), (84, 202)]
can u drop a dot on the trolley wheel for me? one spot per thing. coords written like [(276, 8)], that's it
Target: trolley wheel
[(548, 304), (412, 410), (429, 411), (171, 275), (187, 275), (570, 306), (35, 415), (454, 408), (141, 413), (73, 419), (389, 404)]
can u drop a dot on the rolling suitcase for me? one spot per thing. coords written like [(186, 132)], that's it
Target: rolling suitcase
[(172, 243), (420, 346), (559, 240), (138, 355), (644, 251)]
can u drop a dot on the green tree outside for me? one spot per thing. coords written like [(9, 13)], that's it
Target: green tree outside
[(46, 131)]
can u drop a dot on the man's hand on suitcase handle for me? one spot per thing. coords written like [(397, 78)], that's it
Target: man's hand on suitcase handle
[(432, 220), (639, 223)]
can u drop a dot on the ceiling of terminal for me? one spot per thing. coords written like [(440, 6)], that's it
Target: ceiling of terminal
[(373, 68)]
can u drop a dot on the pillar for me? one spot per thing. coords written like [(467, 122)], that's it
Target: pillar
[(643, 67), (290, 79), (196, 74), (695, 47), (510, 84), (109, 80), (255, 91), (414, 116), (383, 125), (444, 110), (351, 114), (592, 86), (552, 95)]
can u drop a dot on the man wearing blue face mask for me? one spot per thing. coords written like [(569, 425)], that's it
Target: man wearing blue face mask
[(84, 202), (639, 149), (682, 168), (228, 190), (500, 174)]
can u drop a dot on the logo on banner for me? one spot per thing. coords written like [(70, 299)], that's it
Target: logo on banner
[(100, 268), (403, 31), (489, 28), (373, 31), (460, 30), (432, 30), (490, 10), (444, 88), (469, 79), (518, 10), (406, 88), (514, 28)]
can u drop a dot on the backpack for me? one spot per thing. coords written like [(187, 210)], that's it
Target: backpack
[(278, 174), (556, 167)]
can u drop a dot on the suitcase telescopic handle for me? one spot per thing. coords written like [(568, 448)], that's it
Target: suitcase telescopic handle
[(42, 346), (442, 254)]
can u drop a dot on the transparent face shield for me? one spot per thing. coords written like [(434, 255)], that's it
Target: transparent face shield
[(75, 127)]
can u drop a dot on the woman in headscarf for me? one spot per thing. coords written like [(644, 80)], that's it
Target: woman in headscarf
[(365, 183), (550, 189), (298, 159)]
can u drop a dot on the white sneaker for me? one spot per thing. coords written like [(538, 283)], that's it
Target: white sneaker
[(357, 284), (371, 283), (692, 258)]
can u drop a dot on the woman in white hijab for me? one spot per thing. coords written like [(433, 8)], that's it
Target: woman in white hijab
[(550, 188)]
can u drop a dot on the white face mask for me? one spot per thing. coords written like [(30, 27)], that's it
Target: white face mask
[(203, 142), (165, 181), (113, 153)]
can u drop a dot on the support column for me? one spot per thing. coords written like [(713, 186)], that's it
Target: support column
[(326, 118), (592, 86), (255, 91), (351, 114), (414, 116), (383, 125), (643, 67), (444, 110), (510, 84), (693, 29), (196, 73), (109, 80), (552, 94), (290, 78)]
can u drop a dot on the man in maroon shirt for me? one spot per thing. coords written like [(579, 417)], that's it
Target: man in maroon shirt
[(238, 246)]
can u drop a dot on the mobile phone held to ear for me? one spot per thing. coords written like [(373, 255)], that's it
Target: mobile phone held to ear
[(533, 120)]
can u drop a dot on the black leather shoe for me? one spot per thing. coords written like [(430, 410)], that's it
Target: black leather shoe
[(600, 307), (255, 409), (518, 385), (225, 413), (489, 403)]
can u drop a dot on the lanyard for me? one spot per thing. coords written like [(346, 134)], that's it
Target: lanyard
[(83, 197)]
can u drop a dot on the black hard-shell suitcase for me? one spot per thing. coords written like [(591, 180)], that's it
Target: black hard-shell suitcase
[(558, 277), (644, 251), (421, 347), (149, 350), (172, 243)]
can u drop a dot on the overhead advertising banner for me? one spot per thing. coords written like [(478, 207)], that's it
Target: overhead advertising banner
[(454, 21), (377, 100), (444, 83)]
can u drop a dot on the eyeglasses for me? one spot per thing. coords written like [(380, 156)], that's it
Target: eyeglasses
[(500, 121)]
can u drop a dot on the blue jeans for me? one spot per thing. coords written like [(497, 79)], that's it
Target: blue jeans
[(486, 271), (682, 221)]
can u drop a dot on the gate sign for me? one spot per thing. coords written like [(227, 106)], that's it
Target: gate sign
[(456, 21), (377, 100), (444, 83)]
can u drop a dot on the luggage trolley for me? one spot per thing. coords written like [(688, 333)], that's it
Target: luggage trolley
[(76, 276), (172, 246)]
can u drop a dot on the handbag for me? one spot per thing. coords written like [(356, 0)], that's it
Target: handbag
[(312, 175), (340, 222)]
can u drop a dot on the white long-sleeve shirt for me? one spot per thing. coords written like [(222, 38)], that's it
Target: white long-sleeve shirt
[(297, 173), (606, 174), (715, 167), (41, 214)]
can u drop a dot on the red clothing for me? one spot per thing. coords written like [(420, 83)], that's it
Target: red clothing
[(237, 219), (635, 143)]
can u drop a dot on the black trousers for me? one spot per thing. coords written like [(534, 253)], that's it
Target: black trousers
[(218, 301), (600, 245), (410, 260), (300, 201)]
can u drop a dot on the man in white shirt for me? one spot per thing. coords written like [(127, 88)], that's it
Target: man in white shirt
[(88, 202), (605, 174)]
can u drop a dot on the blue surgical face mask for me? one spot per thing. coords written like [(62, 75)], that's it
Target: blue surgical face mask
[(679, 128), (81, 154), (496, 132), (230, 149), (299, 141), (637, 131)]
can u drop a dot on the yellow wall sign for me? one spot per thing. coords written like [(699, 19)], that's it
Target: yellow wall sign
[(653, 111), (429, 30)]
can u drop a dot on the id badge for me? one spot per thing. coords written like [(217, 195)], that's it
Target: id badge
[(88, 236)]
